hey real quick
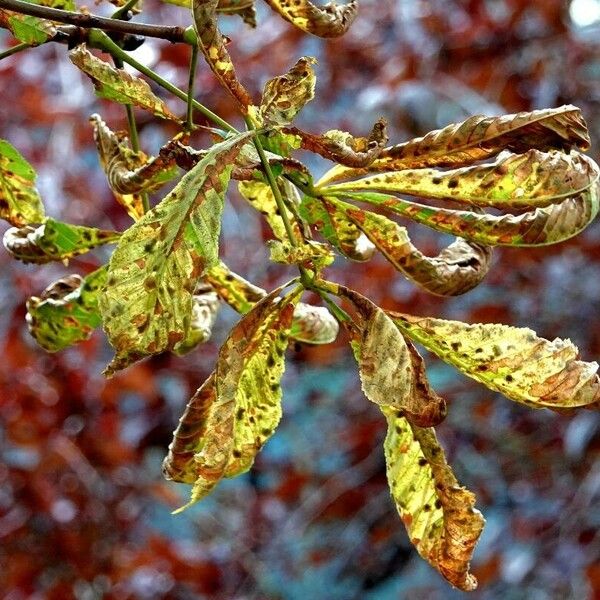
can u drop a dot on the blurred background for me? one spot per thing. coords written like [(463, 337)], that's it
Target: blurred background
[(84, 510)]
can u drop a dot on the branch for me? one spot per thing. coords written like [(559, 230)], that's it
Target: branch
[(87, 21)]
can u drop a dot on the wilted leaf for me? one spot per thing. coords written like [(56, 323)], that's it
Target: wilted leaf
[(285, 96), (510, 360), (247, 404), (309, 254), (458, 268), (539, 227), (205, 306), (438, 513), (311, 324), (54, 241), (118, 85), (20, 201), (130, 173), (67, 311), (27, 29), (337, 229), (344, 148), (260, 196), (533, 179), (478, 138), (326, 21), (391, 373), (147, 305), (212, 45)]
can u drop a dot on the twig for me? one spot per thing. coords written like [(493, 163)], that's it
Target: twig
[(87, 21)]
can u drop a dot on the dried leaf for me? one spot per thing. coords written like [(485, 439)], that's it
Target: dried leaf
[(458, 268), (337, 229), (285, 96), (212, 45), (54, 241), (311, 324), (67, 311), (20, 201), (533, 179), (479, 138), (118, 85), (326, 21), (27, 29), (391, 373), (205, 306), (539, 227), (344, 148), (147, 306), (510, 360), (131, 173), (246, 406), (260, 196), (438, 513)]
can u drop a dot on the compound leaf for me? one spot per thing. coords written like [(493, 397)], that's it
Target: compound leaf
[(533, 179), (54, 241), (67, 311), (392, 374), (245, 406), (511, 360), (458, 268), (118, 85), (20, 201), (478, 138), (540, 227), (147, 305), (439, 514)]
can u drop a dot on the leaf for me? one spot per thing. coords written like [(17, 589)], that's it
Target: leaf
[(285, 96), (326, 21), (212, 45), (311, 324), (147, 304), (67, 311), (540, 227), (458, 268), (511, 360), (533, 179), (61, 4), (27, 29), (440, 515), (337, 229), (391, 373), (54, 241), (205, 306), (260, 196), (244, 8), (478, 138), (246, 406), (309, 254), (118, 85), (130, 173), (20, 201), (342, 147)]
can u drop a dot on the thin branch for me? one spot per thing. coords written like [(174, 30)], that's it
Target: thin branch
[(87, 21), (189, 124), (14, 50)]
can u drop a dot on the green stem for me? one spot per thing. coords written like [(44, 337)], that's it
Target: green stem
[(189, 124), (14, 50), (281, 207), (99, 39), (122, 12), (337, 311)]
